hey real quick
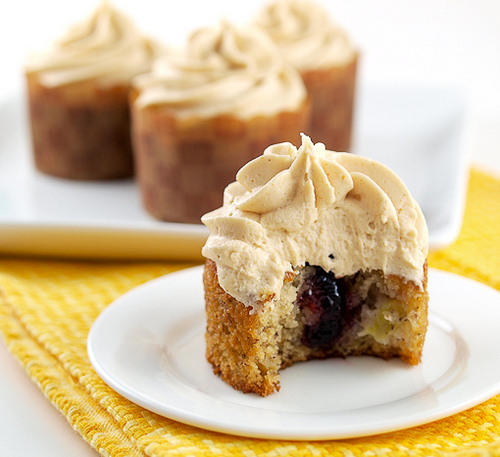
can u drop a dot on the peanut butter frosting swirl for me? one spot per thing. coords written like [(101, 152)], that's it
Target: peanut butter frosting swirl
[(223, 70), (306, 35), (340, 211), (106, 46)]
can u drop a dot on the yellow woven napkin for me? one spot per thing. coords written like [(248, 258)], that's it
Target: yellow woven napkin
[(47, 308)]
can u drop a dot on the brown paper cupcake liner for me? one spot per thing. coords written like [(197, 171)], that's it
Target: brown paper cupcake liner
[(183, 165), (80, 131), (332, 93)]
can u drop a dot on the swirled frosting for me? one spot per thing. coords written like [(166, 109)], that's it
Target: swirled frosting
[(106, 46), (340, 211), (305, 34), (223, 69)]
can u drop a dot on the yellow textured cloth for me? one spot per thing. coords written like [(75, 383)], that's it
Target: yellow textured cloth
[(47, 308)]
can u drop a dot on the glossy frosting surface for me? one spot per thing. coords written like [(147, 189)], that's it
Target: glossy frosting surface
[(106, 46), (223, 69), (306, 35), (290, 206)]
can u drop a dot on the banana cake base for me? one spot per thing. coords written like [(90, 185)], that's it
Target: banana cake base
[(316, 316)]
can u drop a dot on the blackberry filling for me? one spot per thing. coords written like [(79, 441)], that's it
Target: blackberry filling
[(327, 306)]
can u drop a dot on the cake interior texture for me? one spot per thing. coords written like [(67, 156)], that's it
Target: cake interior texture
[(316, 316)]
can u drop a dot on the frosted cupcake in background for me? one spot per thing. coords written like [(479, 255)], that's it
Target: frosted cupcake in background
[(78, 97), (326, 59), (201, 114)]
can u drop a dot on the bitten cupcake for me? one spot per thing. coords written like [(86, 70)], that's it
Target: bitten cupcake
[(314, 254), (78, 97), (325, 57), (201, 114)]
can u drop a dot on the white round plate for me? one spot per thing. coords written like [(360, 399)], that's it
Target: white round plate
[(149, 346)]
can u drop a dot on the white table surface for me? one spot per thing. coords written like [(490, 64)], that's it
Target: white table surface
[(430, 41)]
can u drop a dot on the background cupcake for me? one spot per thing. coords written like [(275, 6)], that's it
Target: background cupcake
[(198, 116), (326, 59), (78, 97)]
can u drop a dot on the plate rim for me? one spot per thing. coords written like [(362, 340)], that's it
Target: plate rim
[(31, 225)]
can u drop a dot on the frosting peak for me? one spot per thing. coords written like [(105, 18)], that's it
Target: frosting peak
[(290, 206), (281, 179), (305, 34), (106, 46), (223, 69)]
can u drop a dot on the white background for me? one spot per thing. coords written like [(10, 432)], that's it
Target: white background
[(455, 42)]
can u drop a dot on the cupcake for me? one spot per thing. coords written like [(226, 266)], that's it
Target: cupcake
[(204, 112), (314, 254), (78, 97), (326, 59)]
